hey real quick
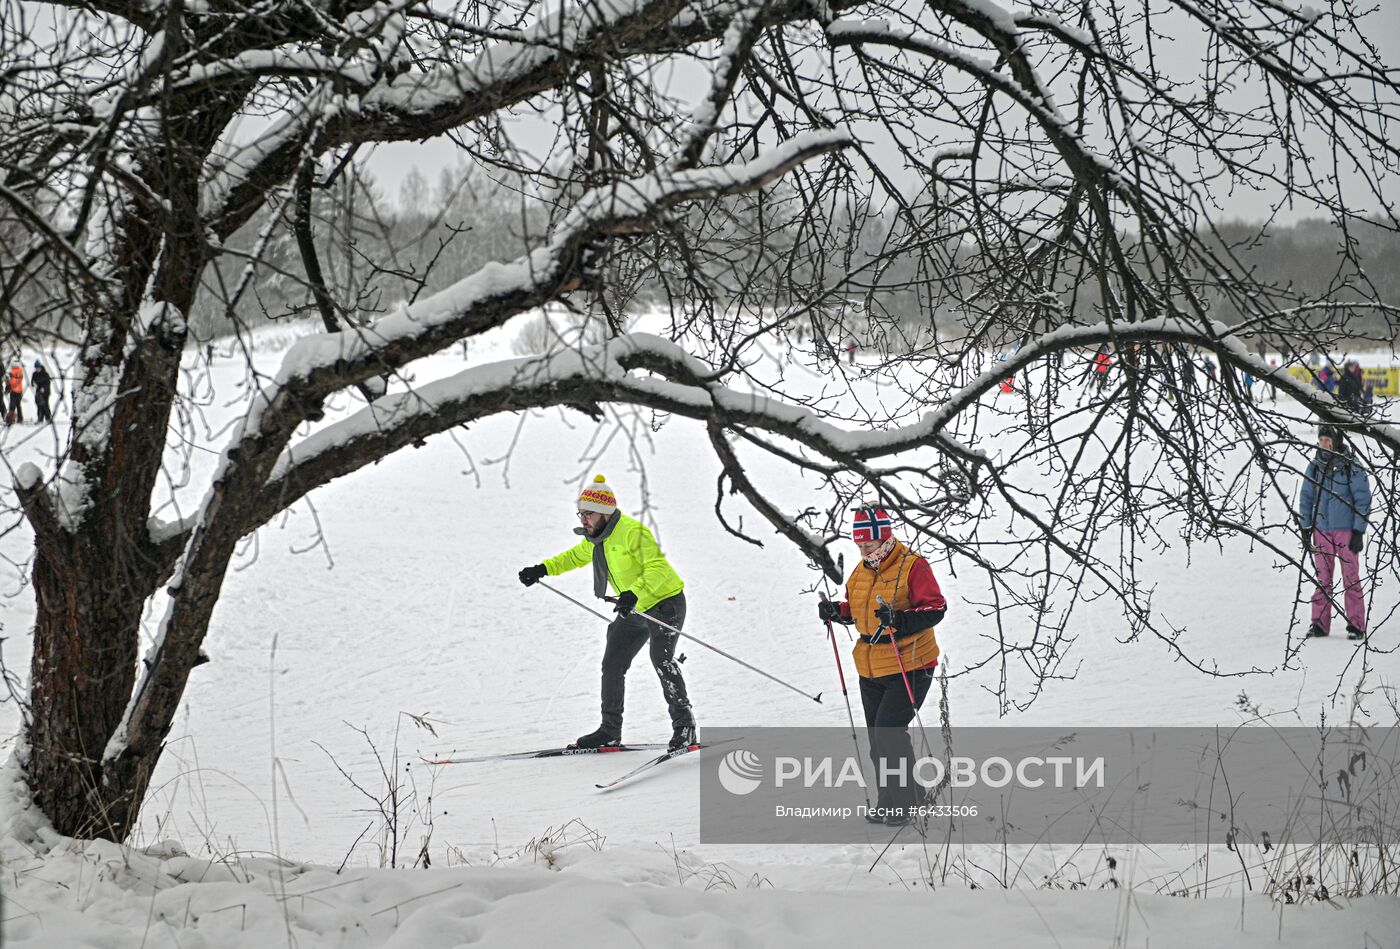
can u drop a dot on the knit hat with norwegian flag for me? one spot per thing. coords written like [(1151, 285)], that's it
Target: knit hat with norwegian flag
[(871, 524), (598, 497)]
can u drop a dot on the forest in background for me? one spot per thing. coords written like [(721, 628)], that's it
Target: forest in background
[(380, 251)]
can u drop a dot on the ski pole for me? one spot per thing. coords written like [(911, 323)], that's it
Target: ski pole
[(841, 672), (894, 644), (694, 639), (897, 657)]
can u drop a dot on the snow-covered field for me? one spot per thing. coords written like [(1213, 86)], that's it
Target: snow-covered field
[(397, 604)]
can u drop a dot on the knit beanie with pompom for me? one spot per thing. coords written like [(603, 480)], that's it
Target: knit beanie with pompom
[(598, 497)]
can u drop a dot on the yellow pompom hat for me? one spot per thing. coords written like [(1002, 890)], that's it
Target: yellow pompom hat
[(598, 497)]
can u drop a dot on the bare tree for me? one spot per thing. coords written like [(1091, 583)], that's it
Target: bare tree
[(967, 178)]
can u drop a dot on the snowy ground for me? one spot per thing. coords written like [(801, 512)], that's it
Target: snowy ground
[(407, 605)]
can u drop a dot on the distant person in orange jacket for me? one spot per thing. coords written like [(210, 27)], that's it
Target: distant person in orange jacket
[(897, 650), (15, 382)]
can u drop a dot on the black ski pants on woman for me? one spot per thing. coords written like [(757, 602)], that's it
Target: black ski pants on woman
[(626, 635), (888, 713)]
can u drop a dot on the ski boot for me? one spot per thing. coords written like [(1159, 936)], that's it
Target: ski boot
[(1353, 633), (682, 737), (1316, 630), (598, 738)]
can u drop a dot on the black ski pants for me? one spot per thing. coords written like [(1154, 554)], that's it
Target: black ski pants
[(41, 402), (888, 713), (17, 405), (626, 635)]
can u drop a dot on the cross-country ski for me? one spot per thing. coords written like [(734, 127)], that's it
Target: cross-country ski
[(565, 752), (661, 759)]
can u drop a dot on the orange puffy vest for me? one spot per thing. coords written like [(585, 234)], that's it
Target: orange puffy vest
[(16, 379), (892, 582)]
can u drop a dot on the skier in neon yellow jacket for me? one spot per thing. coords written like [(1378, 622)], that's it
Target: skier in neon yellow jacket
[(625, 556)]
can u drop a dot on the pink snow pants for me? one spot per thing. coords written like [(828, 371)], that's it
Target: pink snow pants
[(1326, 546)]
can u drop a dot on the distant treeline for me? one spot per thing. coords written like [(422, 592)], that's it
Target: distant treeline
[(377, 251)]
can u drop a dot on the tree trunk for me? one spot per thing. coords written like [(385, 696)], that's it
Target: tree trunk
[(85, 651)]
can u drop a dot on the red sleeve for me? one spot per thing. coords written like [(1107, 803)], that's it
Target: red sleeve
[(923, 588)]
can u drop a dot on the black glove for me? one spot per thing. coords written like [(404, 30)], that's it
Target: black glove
[(532, 575), (829, 611), (626, 602), (1307, 538), (888, 617), (1356, 542), (900, 623)]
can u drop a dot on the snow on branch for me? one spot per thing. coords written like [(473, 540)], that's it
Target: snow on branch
[(238, 168), (744, 30), (277, 62), (652, 372), (416, 105), (524, 64), (1214, 336), (881, 32), (143, 13), (638, 369), (498, 291)]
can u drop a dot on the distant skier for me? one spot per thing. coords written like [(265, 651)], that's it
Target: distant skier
[(623, 552), (1333, 506), (1351, 385), (890, 570), (1326, 379), (14, 383), (1102, 362), (1008, 384), (39, 378)]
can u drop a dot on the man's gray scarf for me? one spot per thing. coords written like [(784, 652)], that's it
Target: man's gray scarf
[(600, 560)]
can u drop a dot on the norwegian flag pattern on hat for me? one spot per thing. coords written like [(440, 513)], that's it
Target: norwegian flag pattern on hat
[(871, 524)]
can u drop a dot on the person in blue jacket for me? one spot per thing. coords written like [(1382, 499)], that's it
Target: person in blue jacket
[(1333, 506)]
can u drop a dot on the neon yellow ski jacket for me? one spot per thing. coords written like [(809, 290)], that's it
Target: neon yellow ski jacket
[(635, 562)]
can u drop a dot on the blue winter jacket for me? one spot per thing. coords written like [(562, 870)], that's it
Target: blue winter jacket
[(1336, 495)]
